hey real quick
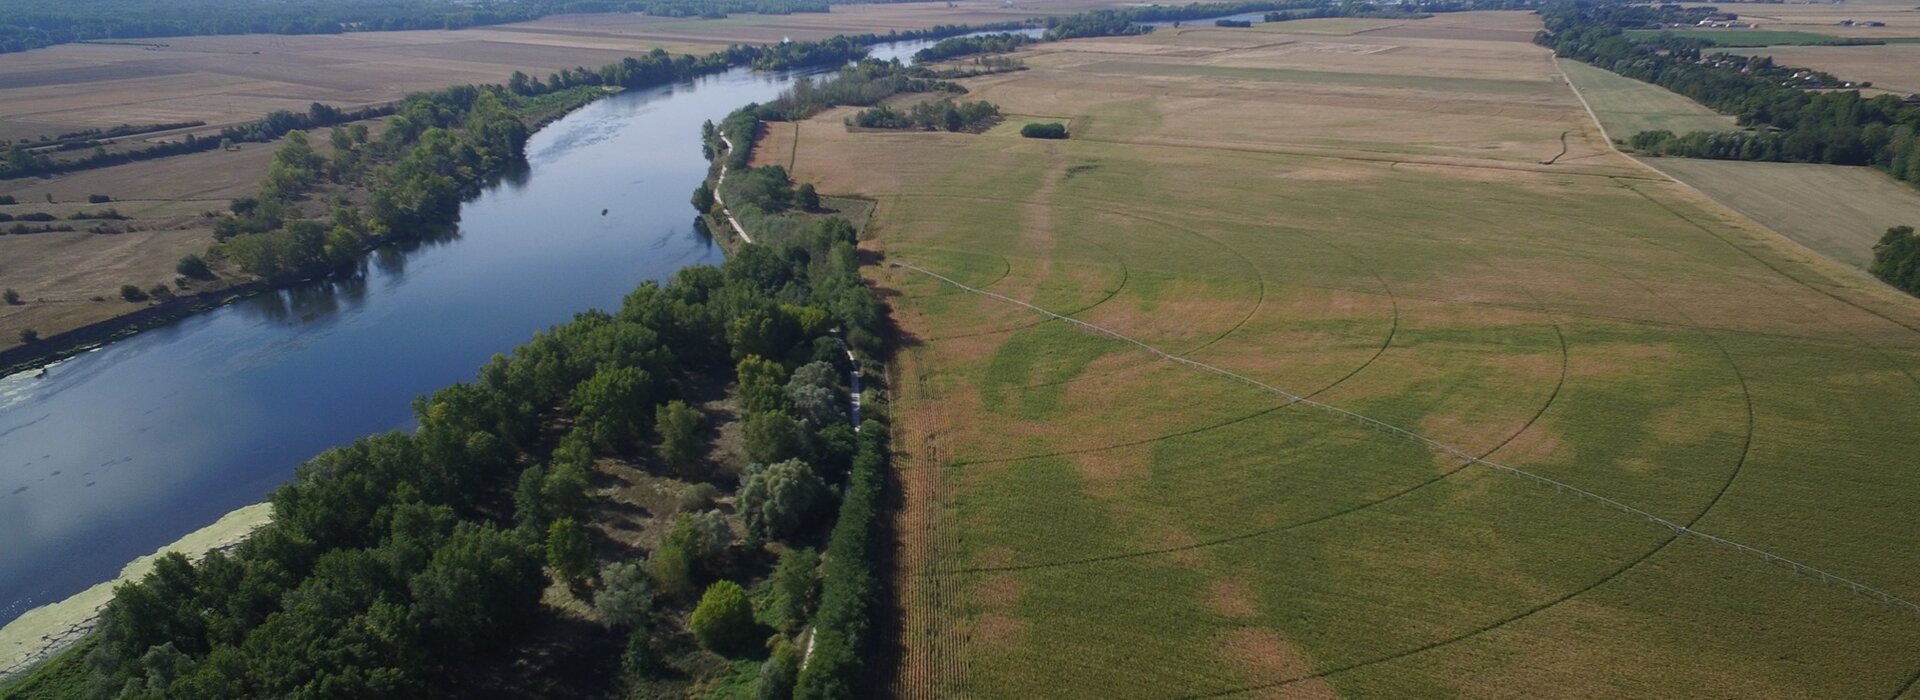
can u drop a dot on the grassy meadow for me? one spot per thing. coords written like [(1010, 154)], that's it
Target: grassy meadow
[(1626, 106), (1084, 519)]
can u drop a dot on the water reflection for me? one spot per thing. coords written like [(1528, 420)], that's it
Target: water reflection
[(116, 452)]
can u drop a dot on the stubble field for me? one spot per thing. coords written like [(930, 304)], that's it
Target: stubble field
[(1084, 518), (229, 79)]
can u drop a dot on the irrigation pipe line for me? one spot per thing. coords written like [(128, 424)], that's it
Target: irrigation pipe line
[(1678, 529)]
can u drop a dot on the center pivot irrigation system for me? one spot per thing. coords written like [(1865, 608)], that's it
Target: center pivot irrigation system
[(1397, 431)]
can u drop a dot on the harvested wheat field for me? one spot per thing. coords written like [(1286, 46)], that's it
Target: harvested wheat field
[(230, 79), (1331, 249), (1837, 210)]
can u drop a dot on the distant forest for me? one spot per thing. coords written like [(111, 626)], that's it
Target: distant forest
[(32, 24), (1790, 114)]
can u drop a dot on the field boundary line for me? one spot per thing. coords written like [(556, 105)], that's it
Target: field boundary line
[(1668, 177), (1853, 586)]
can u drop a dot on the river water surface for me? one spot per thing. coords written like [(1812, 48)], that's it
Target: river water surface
[(117, 452)]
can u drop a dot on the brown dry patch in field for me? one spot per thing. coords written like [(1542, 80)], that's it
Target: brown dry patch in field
[(1176, 321), (1552, 666), (998, 590), (1232, 597), (1692, 424), (1536, 444), (1107, 472), (1266, 655), (996, 631), (1591, 360), (1462, 432), (1183, 547)]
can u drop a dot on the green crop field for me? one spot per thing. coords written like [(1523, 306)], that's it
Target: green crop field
[(1626, 106), (1083, 517)]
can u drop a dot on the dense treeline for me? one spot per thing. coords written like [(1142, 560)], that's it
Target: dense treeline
[(412, 565), (972, 45), (1127, 21), (859, 85), (1044, 130), (92, 137), (1896, 259), (22, 161), (851, 591), (936, 115), (1789, 121), (441, 147), (1359, 10), (30, 24), (438, 148)]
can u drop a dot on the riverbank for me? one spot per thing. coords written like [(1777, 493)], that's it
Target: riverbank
[(536, 112), (46, 631), (48, 350)]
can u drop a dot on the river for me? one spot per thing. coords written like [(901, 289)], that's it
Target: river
[(114, 453)]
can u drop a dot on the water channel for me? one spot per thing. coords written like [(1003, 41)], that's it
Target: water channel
[(114, 453)]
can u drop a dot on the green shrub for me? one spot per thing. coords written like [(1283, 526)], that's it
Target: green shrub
[(29, 335), (723, 621), (625, 596), (12, 297), (781, 500), (98, 199), (1044, 130), (132, 293), (192, 266), (569, 551)]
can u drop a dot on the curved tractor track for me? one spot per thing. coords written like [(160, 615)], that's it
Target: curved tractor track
[(1677, 528)]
